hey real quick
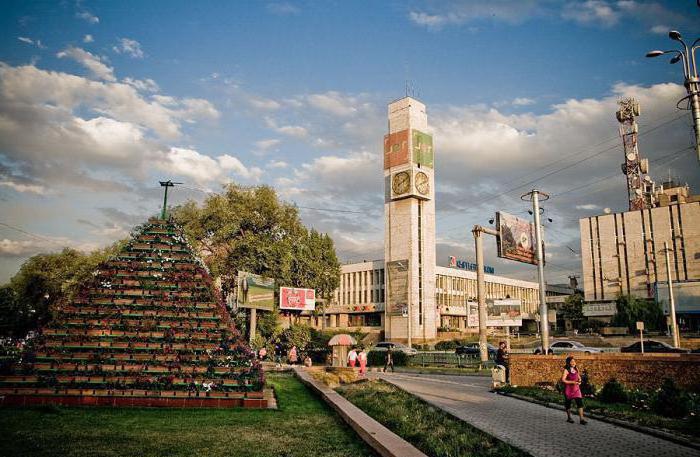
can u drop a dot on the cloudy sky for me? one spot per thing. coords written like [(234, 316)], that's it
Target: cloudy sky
[(100, 100)]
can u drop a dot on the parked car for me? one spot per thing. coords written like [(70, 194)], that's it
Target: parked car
[(653, 346), (472, 349), (566, 346), (384, 345)]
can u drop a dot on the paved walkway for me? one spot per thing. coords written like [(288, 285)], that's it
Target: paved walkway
[(541, 431)]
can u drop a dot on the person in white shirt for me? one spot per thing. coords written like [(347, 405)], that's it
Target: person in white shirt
[(352, 358)]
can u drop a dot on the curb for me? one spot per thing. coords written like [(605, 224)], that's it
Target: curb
[(620, 423), (382, 440)]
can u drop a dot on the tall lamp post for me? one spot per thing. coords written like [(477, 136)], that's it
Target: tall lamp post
[(692, 83)]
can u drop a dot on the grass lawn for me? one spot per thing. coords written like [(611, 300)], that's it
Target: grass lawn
[(431, 430), (688, 426), (303, 426)]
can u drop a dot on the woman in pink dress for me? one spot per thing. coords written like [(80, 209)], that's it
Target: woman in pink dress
[(572, 390), (362, 359)]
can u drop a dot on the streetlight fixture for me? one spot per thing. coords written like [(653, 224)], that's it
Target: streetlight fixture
[(690, 72)]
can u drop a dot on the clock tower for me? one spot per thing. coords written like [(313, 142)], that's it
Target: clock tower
[(409, 224)]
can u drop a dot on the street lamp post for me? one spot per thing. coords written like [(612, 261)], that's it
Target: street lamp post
[(692, 83)]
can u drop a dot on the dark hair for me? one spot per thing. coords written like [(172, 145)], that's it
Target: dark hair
[(502, 342), (567, 366)]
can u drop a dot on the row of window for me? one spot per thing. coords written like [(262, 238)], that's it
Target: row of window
[(453, 291), (361, 287)]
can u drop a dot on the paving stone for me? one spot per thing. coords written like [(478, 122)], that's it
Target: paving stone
[(540, 431)]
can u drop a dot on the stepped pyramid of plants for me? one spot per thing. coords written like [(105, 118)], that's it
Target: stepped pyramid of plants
[(149, 329)]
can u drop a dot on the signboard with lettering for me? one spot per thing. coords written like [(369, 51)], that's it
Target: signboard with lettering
[(503, 313), (255, 291), (464, 265), (293, 298), (397, 291), (516, 238), (599, 309)]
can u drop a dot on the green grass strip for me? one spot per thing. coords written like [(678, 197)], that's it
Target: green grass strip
[(430, 429)]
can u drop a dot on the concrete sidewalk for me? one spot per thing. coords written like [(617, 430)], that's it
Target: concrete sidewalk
[(540, 431)]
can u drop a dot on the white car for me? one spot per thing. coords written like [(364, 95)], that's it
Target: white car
[(396, 347), (566, 346)]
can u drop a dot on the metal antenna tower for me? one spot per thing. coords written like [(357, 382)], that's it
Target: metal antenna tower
[(640, 187)]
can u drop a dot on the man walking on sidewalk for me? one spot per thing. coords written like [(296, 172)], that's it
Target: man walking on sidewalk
[(389, 360)]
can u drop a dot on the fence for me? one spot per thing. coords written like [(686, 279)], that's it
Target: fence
[(447, 359)]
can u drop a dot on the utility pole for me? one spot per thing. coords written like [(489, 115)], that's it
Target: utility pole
[(671, 302), (535, 195), (480, 288), (166, 184)]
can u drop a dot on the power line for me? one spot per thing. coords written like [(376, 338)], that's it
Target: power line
[(33, 235)]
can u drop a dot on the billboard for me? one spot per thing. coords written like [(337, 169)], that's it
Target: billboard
[(397, 292), (293, 298), (516, 238), (503, 313), (422, 149), (686, 296), (599, 309), (396, 149), (255, 291)]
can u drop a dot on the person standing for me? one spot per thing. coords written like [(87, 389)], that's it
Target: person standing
[(293, 356), (278, 354), (502, 358), (262, 353), (572, 390), (389, 359), (352, 358), (362, 359)]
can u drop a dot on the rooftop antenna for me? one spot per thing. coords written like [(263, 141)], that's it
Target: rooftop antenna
[(166, 184)]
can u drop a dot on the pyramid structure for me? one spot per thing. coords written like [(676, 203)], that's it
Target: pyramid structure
[(149, 329)]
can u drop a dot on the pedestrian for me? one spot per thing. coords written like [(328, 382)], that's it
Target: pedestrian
[(389, 362), (352, 358), (362, 359), (503, 358), (278, 354), (292, 356), (262, 353), (307, 361), (572, 389)]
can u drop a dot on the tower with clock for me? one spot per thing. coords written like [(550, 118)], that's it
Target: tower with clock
[(409, 224)]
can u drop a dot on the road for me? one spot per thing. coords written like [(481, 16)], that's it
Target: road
[(540, 431)]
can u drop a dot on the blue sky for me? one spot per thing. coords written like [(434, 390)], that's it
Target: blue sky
[(99, 100)]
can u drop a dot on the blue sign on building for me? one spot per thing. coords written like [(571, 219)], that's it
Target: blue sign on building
[(464, 265)]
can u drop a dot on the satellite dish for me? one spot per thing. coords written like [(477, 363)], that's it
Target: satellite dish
[(630, 156), (607, 211)]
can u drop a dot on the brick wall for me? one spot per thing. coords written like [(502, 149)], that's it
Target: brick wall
[(633, 370)]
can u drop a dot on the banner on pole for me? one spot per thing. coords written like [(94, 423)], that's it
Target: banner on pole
[(516, 238), (397, 291), (255, 291)]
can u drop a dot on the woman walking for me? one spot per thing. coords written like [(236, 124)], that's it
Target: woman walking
[(572, 390), (362, 360)]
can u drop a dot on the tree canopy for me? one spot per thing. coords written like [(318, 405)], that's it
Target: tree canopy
[(250, 229)]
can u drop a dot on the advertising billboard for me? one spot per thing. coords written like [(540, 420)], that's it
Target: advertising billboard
[(516, 238), (503, 313), (396, 149), (255, 291), (422, 149), (397, 292), (293, 298)]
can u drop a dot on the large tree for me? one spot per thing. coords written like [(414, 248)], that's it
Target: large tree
[(250, 229)]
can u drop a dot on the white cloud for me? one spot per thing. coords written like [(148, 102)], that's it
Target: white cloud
[(463, 12), (277, 164), (265, 145), (25, 248), (22, 188), (660, 29), (282, 8), (334, 103), (90, 61), (145, 85), (25, 40), (588, 207), (263, 104), (130, 47), (592, 12), (203, 169), (88, 38), (87, 16), (523, 101)]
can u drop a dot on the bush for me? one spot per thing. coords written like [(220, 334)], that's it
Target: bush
[(670, 401), (613, 392), (587, 389), (378, 358), (449, 345)]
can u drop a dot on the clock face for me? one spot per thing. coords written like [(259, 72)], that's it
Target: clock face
[(422, 183), (401, 183)]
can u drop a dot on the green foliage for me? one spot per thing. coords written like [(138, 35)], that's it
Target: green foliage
[(613, 392), (572, 309), (268, 325), (378, 358), (631, 309), (670, 401), (296, 335), (42, 282), (250, 229)]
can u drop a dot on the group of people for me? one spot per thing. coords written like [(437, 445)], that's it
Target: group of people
[(358, 358), (570, 379), (293, 356)]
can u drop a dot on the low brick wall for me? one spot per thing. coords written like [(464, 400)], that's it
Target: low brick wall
[(633, 370)]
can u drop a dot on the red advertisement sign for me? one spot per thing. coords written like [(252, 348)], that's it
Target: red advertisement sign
[(396, 149), (298, 299)]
